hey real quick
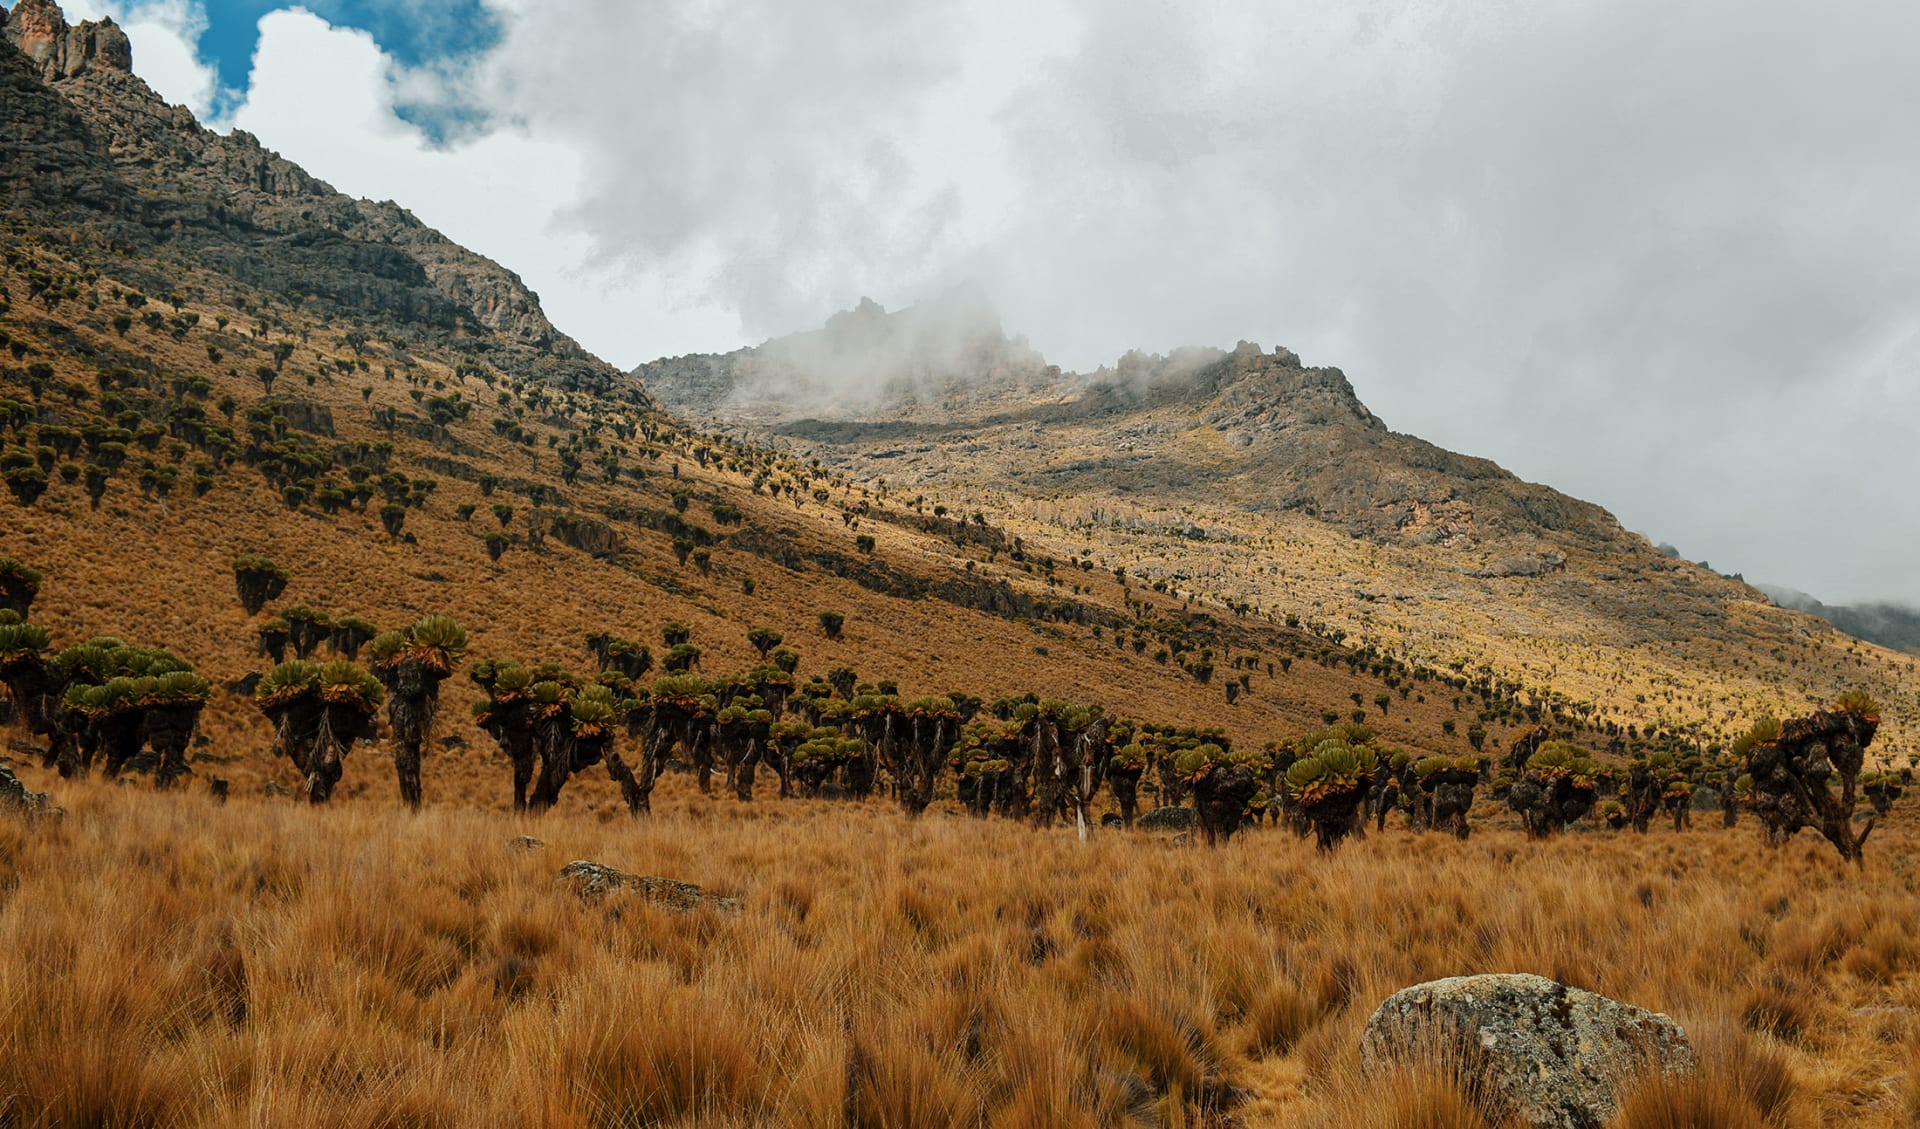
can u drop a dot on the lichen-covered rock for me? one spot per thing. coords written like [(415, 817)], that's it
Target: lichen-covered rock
[(593, 881), (1554, 1056), (524, 844), (16, 796), (1168, 819)]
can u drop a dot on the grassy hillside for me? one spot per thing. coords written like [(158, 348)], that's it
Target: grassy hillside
[(154, 567), (1246, 480)]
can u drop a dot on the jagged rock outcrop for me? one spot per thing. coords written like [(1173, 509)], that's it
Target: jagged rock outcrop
[(1553, 1056), (1254, 428), (39, 30)]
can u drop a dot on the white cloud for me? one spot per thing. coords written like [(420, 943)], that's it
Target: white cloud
[(326, 96)]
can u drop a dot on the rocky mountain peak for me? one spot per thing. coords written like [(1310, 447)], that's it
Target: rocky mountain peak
[(39, 30)]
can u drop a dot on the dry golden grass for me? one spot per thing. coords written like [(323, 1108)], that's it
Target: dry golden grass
[(170, 961)]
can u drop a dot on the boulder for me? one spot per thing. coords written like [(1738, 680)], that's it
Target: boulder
[(524, 844), (1168, 819), (16, 795), (1556, 1057), (593, 881)]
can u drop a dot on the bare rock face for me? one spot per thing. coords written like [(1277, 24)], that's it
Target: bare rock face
[(39, 30), (593, 881), (1557, 1057)]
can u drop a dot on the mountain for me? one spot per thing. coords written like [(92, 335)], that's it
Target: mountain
[(1245, 478), (94, 151), (1268, 431), (1888, 625), (214, 354), (210, 353)]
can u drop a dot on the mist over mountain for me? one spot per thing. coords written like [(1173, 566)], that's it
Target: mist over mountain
[(1894, 626), (865, 359), (1260, 430)]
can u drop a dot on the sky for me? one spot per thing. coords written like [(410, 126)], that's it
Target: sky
[(1665, 257)]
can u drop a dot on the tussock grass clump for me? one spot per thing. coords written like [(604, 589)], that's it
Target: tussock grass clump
[(1418, 1097), (1702, 1100)]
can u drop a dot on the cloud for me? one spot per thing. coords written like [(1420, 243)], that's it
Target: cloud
[(767, 156), (1663, 257), (327, 97)]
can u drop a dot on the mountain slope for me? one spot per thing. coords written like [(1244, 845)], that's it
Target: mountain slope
[(215, 355), (94, 151), (1247, 479), (1888, 625)]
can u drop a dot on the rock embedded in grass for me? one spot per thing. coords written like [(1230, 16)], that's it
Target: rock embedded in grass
[(17, 796), (593, 881), (1168, 818), (1554, 1056)]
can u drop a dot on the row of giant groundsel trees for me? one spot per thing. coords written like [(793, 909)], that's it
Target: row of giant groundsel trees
[(834, 735)]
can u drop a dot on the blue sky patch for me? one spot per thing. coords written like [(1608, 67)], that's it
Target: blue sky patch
[(414, 32)]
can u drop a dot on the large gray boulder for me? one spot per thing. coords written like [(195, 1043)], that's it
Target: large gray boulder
[(1553, 1055)]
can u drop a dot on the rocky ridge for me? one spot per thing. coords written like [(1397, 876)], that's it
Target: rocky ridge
[(39, 30), (1276, 434), (239, 209), (1248, 479)]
